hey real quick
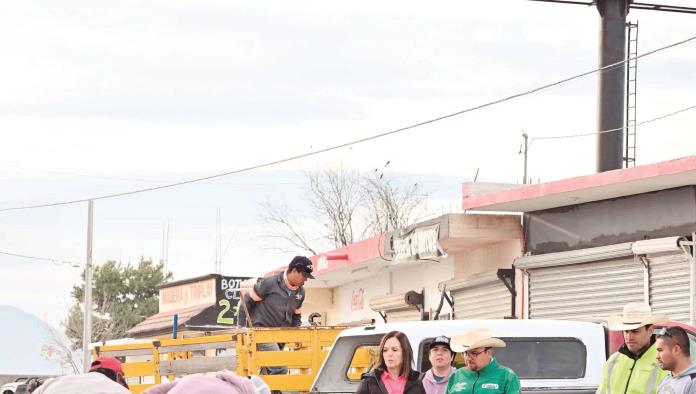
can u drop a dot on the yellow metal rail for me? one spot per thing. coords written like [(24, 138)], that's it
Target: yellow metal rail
[(304, 352)]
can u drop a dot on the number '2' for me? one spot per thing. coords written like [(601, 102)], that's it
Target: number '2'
[(221, 316)]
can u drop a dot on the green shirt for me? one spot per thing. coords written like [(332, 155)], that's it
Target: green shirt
[(493, 379)]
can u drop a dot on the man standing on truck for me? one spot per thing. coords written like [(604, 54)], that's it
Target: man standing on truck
[(674, 355), (276, 301), (441, 357), (483, 374), (633, 369)]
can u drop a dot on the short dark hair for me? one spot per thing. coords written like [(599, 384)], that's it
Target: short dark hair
[(406, 352), (676, 335)]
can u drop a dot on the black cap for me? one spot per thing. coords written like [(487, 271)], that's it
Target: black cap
[(441, 340), (302, 264)]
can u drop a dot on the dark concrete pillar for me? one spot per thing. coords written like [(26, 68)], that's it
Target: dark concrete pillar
[(610, 113)]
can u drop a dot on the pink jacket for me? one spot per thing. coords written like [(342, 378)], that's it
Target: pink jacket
[(434, 387), (223, 382)]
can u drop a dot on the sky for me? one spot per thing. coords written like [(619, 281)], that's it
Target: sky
[(108, 97)]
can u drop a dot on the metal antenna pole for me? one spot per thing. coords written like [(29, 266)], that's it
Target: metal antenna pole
[(87, 326), (526, 147)]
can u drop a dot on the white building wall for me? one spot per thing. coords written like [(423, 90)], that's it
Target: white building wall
[(354, 298), (350, 302)]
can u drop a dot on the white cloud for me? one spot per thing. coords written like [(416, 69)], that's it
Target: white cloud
[(171, 90)]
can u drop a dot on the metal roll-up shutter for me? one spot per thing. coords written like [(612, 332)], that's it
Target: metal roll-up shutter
[(587, 290), (669, 284), (399, 307), (481, 296)]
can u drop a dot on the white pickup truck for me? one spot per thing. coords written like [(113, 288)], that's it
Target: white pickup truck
[(549, 356)]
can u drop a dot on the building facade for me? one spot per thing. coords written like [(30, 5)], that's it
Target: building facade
[(596, 242)]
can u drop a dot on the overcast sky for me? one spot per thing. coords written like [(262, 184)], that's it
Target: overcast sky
[(103, 97)]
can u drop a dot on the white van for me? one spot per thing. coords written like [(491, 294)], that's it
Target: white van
[(549, 356)]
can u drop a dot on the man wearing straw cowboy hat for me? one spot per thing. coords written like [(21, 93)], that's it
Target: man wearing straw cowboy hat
[(483, 373), (633, 369)]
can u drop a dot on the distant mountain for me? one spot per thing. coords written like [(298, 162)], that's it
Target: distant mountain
[(21, 337)]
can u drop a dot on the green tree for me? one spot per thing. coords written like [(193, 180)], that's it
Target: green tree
[(122, 296)]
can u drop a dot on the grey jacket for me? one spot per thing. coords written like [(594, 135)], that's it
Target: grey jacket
[(273, 304), (683, 383)]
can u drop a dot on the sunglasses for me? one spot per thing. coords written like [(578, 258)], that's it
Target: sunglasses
[(677, 334)]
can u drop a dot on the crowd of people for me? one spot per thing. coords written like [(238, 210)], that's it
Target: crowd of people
[(649, 362), (393, 373)]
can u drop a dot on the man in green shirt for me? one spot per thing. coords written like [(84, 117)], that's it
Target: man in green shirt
[(483, 374)]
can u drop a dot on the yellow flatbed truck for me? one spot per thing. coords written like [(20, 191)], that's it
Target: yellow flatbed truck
[(146, 363)]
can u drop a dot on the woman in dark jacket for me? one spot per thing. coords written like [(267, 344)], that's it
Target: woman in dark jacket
[(393, 373)]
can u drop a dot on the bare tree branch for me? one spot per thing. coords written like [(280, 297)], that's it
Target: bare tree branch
[(389, 206), (283, 228), (57, 348), (335, 196), (345, 205)]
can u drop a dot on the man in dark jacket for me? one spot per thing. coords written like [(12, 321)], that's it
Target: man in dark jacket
[(276, 301)]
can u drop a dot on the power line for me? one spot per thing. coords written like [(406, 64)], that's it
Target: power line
[(139, 180), (553, 137), (54, 261), (358, 141)]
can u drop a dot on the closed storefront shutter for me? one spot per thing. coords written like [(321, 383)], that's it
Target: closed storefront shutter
[(399, 307), (481, 296), (669, 284), (588, 290)]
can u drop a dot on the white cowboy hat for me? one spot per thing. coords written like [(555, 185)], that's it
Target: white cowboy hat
[(473, 339), (635, 314)]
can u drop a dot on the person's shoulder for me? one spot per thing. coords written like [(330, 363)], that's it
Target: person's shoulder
[(271, 279), (614, 357), (508, 371), (461, 372), (268, 281)]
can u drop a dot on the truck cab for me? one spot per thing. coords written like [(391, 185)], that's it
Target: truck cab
[(549, 356)]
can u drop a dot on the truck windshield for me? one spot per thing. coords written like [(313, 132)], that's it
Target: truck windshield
[(533, 358)]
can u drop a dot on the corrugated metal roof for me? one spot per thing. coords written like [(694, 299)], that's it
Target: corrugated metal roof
[(164, 320)]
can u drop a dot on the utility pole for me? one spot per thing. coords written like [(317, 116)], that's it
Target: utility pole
[(165, 247), (87, 321), (610, 106), (611, 103), (526, 148), (218, 244)]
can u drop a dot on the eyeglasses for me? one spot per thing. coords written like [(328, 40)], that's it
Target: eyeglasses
[(472, 354)]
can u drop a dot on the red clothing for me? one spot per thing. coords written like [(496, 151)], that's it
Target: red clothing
[(394, 386)]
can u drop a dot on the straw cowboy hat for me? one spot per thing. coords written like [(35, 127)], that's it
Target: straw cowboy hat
[(474, 338), (635, 314)]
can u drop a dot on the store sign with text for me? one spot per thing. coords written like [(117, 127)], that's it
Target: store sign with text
[(227, 299), (418, 243)]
